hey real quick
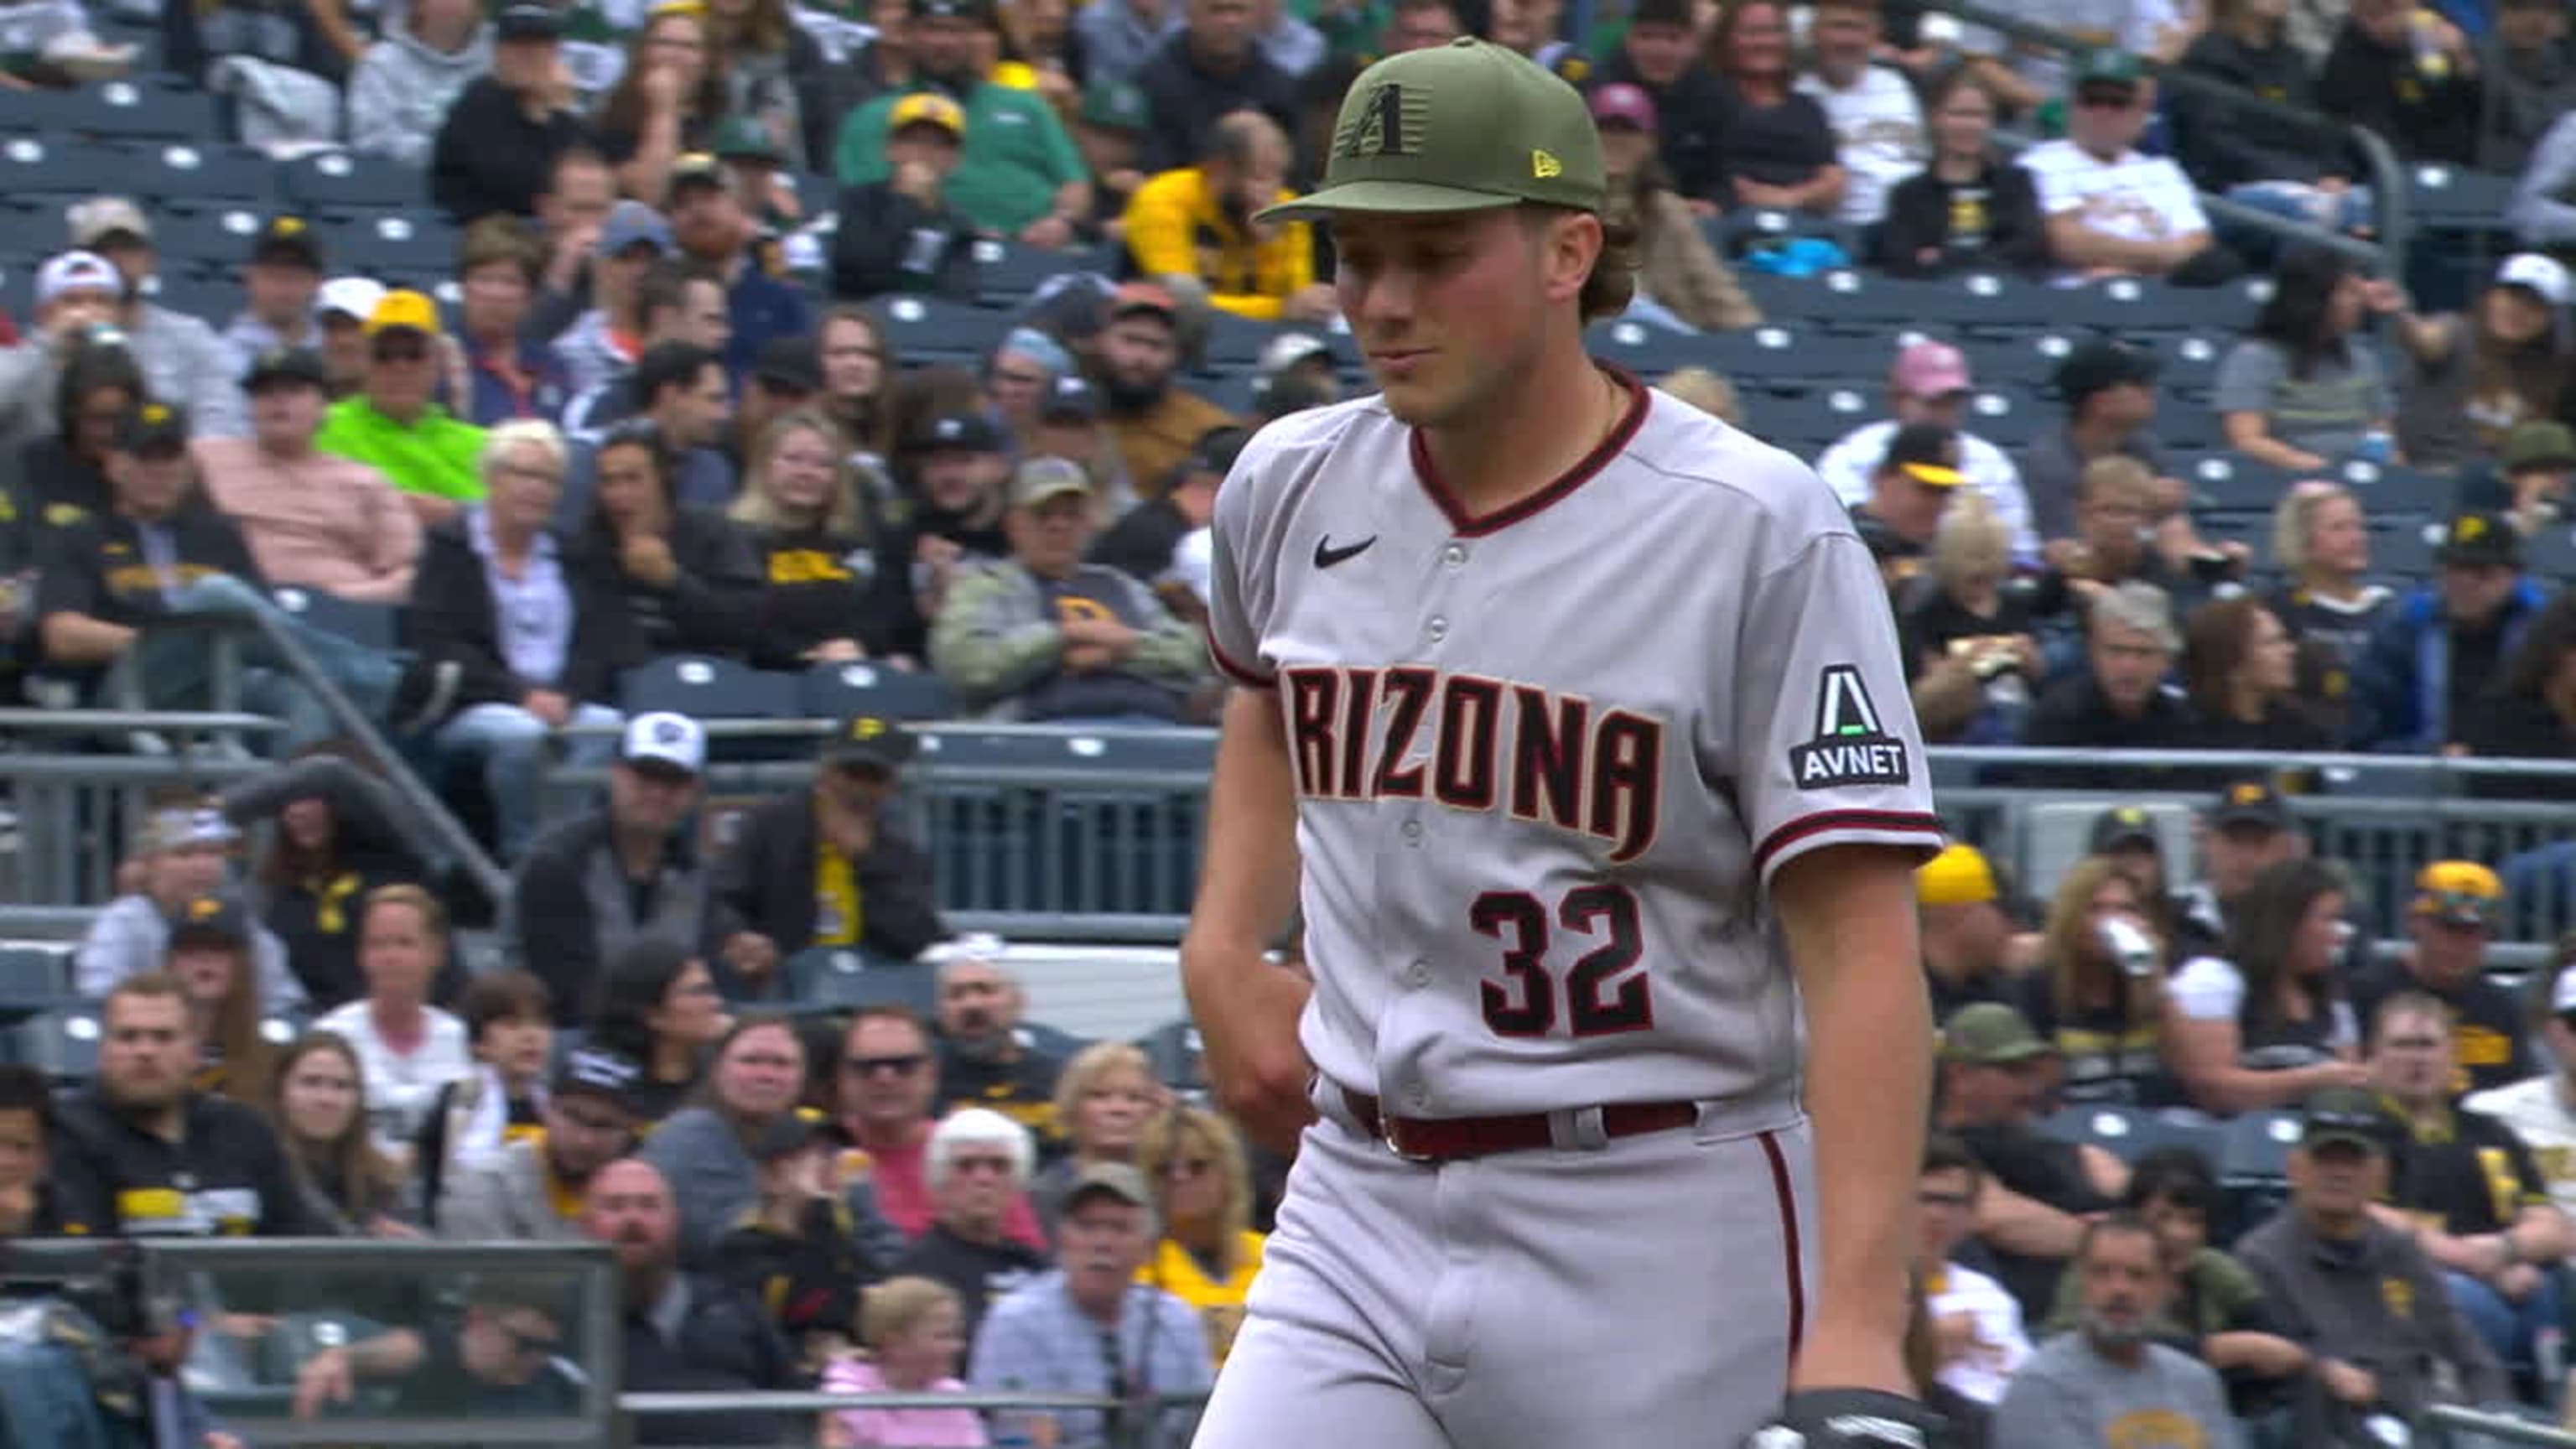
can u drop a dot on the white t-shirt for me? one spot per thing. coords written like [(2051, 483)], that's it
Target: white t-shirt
[(2536, 1109), (2002, 1344), (1878, 136), (1848, 465), (2135, 196), (401, 1086), (2209, 988)]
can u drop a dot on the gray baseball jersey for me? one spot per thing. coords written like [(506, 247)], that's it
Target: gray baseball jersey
[(1547, 759)]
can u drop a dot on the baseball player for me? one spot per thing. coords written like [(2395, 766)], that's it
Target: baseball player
[(1583, 715)]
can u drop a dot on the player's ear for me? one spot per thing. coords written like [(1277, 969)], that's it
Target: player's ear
[(1570, 246)]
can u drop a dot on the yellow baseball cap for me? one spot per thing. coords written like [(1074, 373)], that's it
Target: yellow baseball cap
[(2461, 892), (1958, 876), (927, 108), (403, 309)]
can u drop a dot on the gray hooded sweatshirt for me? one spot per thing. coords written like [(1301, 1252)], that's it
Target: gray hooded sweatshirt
[(400, 92)]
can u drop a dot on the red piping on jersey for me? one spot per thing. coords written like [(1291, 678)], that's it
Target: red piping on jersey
[(1237, 672), (1470, 526), (1788, 1199), (1799, 829)]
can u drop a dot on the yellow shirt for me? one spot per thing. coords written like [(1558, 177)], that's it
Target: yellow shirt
[(1177, 226), (1220, 1305), (839, 919)]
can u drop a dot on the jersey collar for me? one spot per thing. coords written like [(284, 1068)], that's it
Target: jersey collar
[(1471, 525)]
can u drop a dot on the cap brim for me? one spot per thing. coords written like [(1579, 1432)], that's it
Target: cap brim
[(1421, 198), (1934, 474), (2348, 1136)]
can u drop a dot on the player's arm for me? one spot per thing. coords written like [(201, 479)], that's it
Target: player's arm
[(1847, 912), (1245, 1005)]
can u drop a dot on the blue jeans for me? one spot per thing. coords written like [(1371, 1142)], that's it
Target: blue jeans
[(180, 666), (2509, 1328), (510, 745), (2348, 211)]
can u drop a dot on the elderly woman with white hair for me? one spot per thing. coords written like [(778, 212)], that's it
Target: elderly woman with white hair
[(978, 1169), (534, 649), (1969, 643)]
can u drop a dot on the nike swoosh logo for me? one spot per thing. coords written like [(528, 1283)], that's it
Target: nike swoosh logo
[(1326, 555)]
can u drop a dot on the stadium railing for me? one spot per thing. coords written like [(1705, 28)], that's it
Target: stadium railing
[(1143, 1425), (2498, 1429)]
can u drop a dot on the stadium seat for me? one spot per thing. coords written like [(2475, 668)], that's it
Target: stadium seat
[(1234, 342), (392, 241), (2253, 1163), (376, 626), (33, 980), (2126, 1132), (63, 1044), (216, 299), (1048, 1041), (2402, 547), (703, 687), (2447, 198), (1857, 301), (1174, 1049), (2550, 554), (1806, 424), (219, 234), (837, 978), (833, 691), (154, 107), (54, 166), (927, 329), (337, 180), (1647, 350), (162, 170), (2237, 484), (1008, 273), (2030, 363), (2391, 488), (2006, 419)]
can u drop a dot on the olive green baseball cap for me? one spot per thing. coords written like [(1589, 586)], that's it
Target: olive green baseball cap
[(1459, 127)]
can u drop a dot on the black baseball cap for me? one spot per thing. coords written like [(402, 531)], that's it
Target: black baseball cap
[(2481, 538), (787, 364), (288, 240), (1926, 453), (216, 917), (2123, 826), (286, 364), (154, 430), (2348, 1115), (697, 168), (870, 739), (1072, 398), (1215, 452), (978, 11), (786, 1135), (966, 432), (2102, 364), (2250, 804), (594, 1072), (527, 21)]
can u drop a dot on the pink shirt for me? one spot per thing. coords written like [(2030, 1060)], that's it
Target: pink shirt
[(901, 1428), (319, 522), (901, 1179)]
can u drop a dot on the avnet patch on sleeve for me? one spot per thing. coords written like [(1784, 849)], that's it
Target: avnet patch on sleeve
[(1851, 744)]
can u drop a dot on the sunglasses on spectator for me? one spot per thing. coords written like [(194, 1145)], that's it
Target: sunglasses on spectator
[(401, 352), (902, 1066), (2111, 96), (530, 1345)]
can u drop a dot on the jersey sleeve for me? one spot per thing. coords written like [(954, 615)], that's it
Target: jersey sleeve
[(1240, 575), (1827, 750)]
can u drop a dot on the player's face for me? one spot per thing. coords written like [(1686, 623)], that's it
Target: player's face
[(1448, 309), (1944, 1214), (2410, 1059)]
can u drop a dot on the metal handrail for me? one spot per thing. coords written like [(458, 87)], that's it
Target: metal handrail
[(2500, 1426)]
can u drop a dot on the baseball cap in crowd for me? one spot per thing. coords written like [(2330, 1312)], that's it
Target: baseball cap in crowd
[(2458, 893), (1458, 127), (2100, 365), (2350, 1116), (2544, 277), (978, 11), (286, 364), (1926, 453), (351, 297), (2539, 445), (633, 224), (2105, 69), (1116, 105), (1620, 103), (102, 219), (1991, 1034), (698, 168), (154, 430), (1071, 399), (1040, 481), (1288, 349), (287, 241), (1108, 1179), (77, 271), (2121, 827), (1930, 369), (786, 1134), (187, 828), (967, 432), (528, 21), (870, 741), (595, 1072), (2481, 538), (1134, 297), (403, 310), (1959, 876), (927, 108), (664, 742), (2250, 805), (740, 138), (1215, 452), (788, 365), (216, 916)]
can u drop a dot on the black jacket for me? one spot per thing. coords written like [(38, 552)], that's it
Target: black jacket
[(886, 241), (765, 883), (712, 607), (2222, 142), (226, 1176), (1186, 100), (572, 908), (819, 586), (1919, 237), (722, 1343), (1690, 123), (491, 158), (2367, 84), (451, 618)]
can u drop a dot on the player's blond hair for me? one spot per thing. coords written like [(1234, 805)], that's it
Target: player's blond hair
[(891, 1308), (1185, 1130), (1082, 1075)]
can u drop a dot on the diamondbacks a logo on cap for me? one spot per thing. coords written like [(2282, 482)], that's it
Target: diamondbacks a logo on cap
[(1543, 165), (1388, 123), (1852, 746)]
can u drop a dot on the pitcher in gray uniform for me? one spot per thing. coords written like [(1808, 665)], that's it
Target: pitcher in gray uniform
[(1582, 714)]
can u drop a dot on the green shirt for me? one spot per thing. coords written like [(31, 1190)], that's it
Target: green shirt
[(438, 455), (1016, 156)]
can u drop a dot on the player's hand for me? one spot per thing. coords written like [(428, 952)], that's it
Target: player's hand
[(1247, 1012), (1851, 1419)]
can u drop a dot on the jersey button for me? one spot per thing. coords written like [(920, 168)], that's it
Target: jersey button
[(1413, 830), (1454, 555), (1438, 629), (1419, 973)]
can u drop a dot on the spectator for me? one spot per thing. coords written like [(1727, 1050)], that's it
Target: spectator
[(983, 1060), (2529, 482), (2128, 837), (30, 1200), (2097, 996), (1208, 1253), (785, 379), (2265, 1025), (1068, 426), (2532, 85), (959, 468), (509, 1022), (2419, 683), (2120, 700), (1104, 1098), (796, 1248), (711, 1152), (914, 1331), (1977, 1327), (342, 309), (2296, 167), (978, 1172), (2453, 916), (684, 1331), (684, 577), (282, 289), (2537, 1109), (392, 424), (142, 1153), (509, 374), (1971, 206), (1109, 132), (708, 223), (1297, 372), (496, 150), (2110, 394), (64, 473), (1659, 56), (1909, 492), (2113, 210), (2530, 711), (183, 855), (665, 105), (2538, 215), (657, 1006), (1930, 383), (1196, 228), (533, 640), (569, 914), (768, 64), (579, 194), (1046, 636), (181, 357), (1018, 174), (408, 81), (1210, 66), (210, 955), (2409, 75), (497, 1359), (1678, 272), (1776, 149), (901, 234), (291, 62), (1420, 25), (533, 1188), (1166, 542), (410, 1049), (888, 1080), (311, 520), (319, 1103), (856, 360), (683, 409), (2241, 673), (601, 344), (2466, 1186), (1053, 1335), (2473, 378), (2304, 388), (2108, 1381), (77, 295), (2321, 546), (1876, 121), (1116, 40), (679, 301), (335, 838), (2245, 832), (1018, 372), (1967, 938), (831, 596)]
